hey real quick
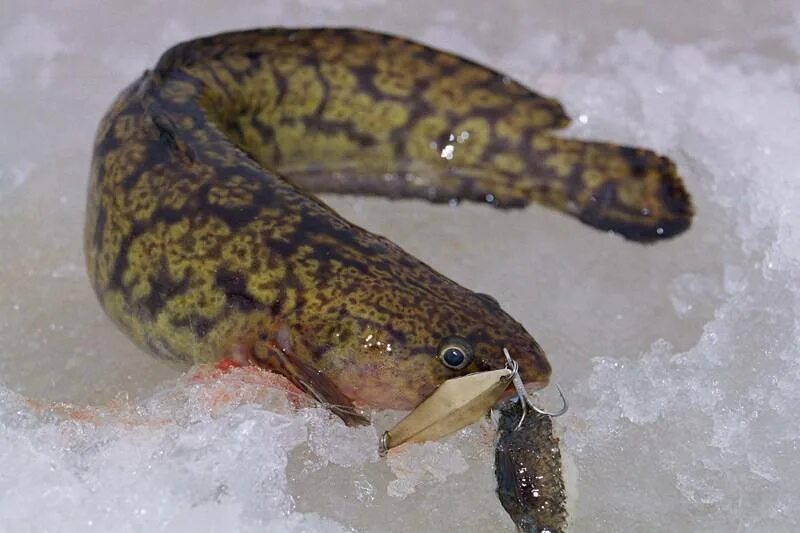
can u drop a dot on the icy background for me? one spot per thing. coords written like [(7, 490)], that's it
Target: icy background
[(680, 359)]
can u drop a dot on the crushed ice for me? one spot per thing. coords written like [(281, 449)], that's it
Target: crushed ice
[(680, 360)]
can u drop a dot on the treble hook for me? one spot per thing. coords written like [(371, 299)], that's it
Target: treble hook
[(564, 405), (522, 394), (518, 385)]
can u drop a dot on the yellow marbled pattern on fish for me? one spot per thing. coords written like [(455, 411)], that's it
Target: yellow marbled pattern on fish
[(204, 240)]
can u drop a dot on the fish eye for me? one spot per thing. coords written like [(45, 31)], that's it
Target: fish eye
[(455, 352)]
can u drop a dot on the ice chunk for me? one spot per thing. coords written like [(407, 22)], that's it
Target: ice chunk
[(171, 463), (334, 442), (680, 360), (423, 463)]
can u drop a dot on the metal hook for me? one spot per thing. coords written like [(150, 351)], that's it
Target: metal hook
[(564, 406), (512, 365), (522, 394), (518, 385), (383, 444)]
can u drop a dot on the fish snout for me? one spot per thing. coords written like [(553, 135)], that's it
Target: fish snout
[(532, 363)]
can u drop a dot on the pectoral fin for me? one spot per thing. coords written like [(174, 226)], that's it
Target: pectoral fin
[(326, 393), (287, 356)]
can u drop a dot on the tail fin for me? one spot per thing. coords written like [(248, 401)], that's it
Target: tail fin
[(631, 191)]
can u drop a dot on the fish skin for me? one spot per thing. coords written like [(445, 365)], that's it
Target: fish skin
[(530, 483), (204, 238)]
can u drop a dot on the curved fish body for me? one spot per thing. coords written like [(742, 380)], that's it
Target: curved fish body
[(204, 239), (530, 484)]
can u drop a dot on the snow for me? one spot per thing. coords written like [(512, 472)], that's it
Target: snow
[(680, 359)]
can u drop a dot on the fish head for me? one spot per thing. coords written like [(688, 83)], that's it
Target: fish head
[(394, 345)]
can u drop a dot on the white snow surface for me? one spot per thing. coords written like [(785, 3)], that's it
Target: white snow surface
[(680, 359)]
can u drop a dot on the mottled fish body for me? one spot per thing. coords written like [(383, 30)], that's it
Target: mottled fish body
[(204, 239)]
